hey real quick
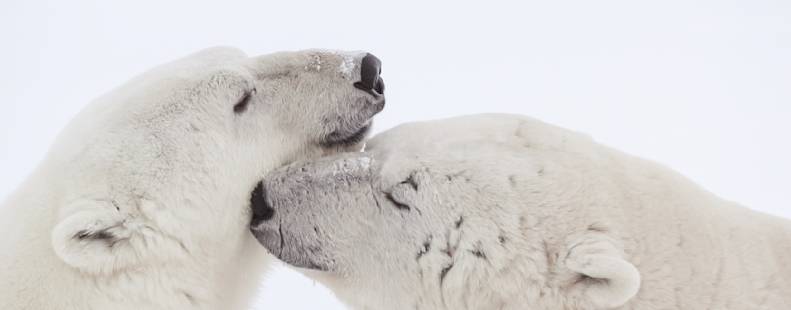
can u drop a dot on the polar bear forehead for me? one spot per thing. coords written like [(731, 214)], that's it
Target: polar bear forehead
[(351, 165), (475, 131), (325, 171), (211, 57), (201, 61), (440, 133)]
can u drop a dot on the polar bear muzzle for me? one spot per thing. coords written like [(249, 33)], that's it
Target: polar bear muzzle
[(276, 207), (371, 83)]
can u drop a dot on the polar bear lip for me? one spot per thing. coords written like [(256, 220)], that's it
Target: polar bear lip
[(335, 139)]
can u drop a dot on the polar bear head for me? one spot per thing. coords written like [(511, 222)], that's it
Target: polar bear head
[(466, 213), (161, 168)]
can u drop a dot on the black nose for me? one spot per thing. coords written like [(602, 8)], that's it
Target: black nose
[(370, 69), (262, 211)]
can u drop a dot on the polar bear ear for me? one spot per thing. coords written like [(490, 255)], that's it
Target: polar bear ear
[(604, 278), (94, 237)]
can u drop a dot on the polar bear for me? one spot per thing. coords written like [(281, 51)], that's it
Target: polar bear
[(507, 212), (143, 200)]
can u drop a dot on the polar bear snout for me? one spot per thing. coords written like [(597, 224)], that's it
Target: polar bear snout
[(296, 209), (344, 91)]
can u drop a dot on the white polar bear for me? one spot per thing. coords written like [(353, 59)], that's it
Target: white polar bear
[(143, 201), (506, 212)]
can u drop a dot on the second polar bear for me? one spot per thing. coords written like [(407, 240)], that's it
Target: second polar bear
[(506, 212), (143, 201)]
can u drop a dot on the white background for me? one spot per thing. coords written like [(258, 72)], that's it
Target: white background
[(702, 86)]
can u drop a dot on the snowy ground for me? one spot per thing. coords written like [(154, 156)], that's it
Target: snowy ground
[(702, 86)]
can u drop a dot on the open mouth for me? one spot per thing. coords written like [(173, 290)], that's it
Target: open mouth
[(336, 139)]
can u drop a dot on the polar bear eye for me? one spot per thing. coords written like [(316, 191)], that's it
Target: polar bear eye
[(242, 104)]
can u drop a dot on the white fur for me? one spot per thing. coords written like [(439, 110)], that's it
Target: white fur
[(142, 202), (506, 212)]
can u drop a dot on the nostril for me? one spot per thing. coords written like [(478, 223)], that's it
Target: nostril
[(370, 69), (262, 211), (379, 86)]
